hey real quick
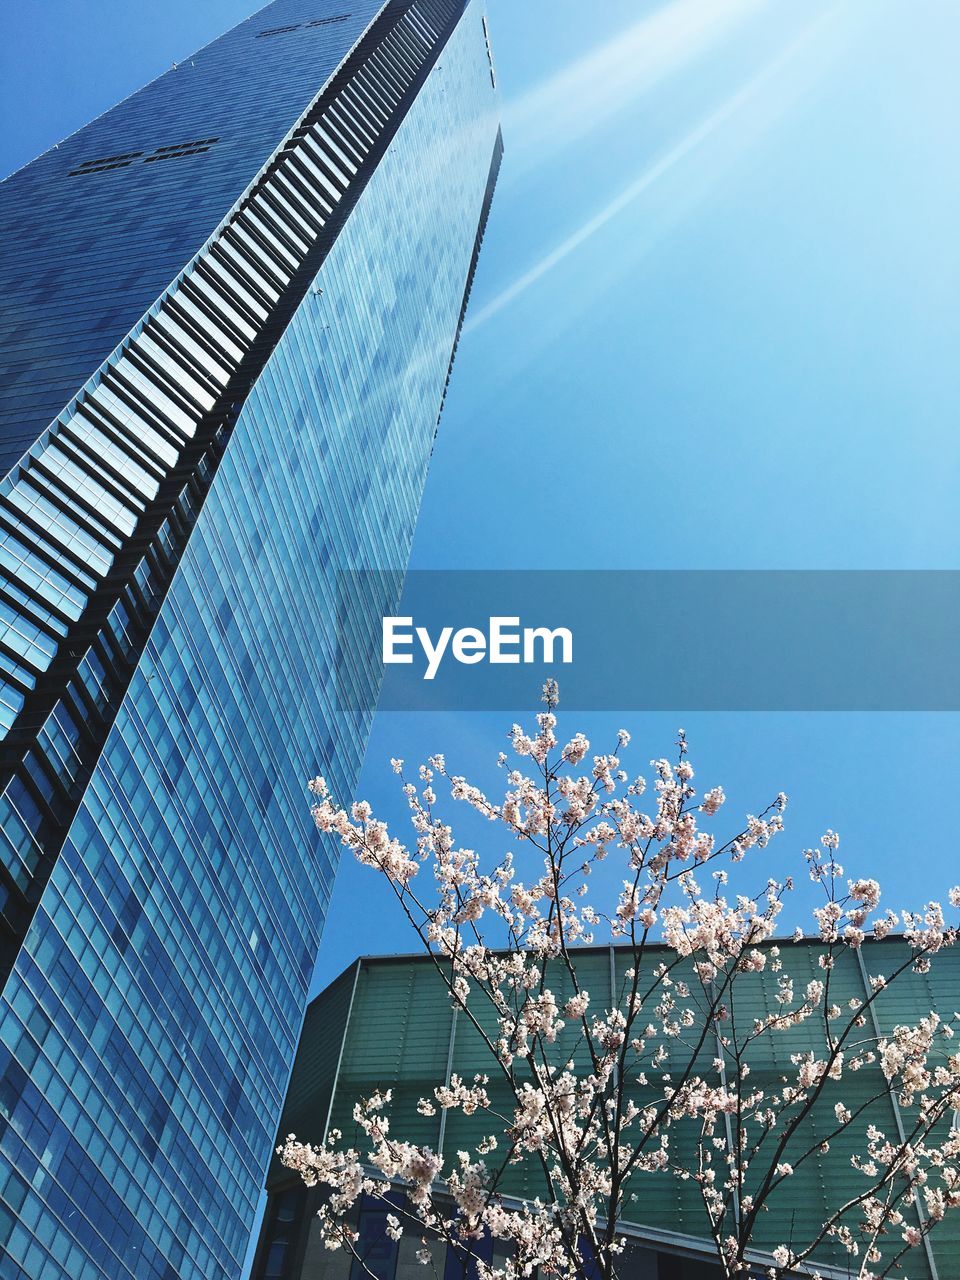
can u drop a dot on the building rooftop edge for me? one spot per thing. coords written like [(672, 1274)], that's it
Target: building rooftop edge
[(406, 957)]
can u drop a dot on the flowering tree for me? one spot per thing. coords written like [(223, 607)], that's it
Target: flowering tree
[(596, 1093)]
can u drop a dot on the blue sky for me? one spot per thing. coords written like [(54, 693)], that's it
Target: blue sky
[(714, 326)]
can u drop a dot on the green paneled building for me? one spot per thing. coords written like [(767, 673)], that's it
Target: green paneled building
[(386, 1022)]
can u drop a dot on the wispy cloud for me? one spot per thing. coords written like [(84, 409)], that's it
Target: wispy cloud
[(724, 115), (604, 81)]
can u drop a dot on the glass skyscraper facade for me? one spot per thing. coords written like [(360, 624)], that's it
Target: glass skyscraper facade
[(233, 305)]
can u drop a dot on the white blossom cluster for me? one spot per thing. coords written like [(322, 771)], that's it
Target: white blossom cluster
[(594, 1093)]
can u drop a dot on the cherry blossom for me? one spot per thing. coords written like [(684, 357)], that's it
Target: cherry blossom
[(603, 1094)]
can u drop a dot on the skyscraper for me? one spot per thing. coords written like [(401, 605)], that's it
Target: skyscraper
[(232, 306)]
